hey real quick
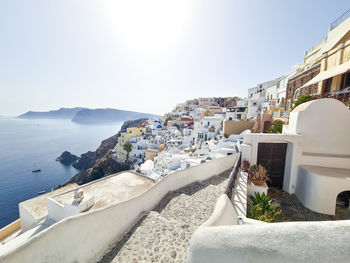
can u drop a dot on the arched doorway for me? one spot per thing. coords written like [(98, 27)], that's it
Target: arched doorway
[(342, 210)]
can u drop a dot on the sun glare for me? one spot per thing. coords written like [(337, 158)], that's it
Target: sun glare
[(148, 26)]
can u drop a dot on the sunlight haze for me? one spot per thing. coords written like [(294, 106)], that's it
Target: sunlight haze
[(148, 55)]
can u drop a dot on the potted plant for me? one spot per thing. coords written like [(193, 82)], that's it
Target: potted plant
[(258, 174), (245, 165)]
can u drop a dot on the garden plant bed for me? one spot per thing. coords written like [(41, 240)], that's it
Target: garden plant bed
[(293, 210)]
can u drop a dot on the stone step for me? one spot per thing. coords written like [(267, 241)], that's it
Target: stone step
[(193, 209), (219, 181), (163, 235), (156, 239), (226, 174)]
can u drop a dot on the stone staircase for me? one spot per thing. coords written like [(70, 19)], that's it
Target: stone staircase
[(163, 235)]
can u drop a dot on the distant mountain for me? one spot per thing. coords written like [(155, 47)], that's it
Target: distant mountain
[(100, 116), (88, 116), (62, 113)]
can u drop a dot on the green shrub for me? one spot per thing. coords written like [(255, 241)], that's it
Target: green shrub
[(261, 199), (97, 173), (166, 121), (301, 100), (262, 209), (276, 127)]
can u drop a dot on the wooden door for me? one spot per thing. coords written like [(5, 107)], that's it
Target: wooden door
[(273, 156)]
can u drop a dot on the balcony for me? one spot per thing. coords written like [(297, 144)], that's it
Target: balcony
[(341, 95)]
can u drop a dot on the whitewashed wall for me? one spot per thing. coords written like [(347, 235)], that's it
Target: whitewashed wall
[(318, 242), (324, 124)]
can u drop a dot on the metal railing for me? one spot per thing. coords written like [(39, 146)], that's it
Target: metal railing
[(233, 177), (339, 20)]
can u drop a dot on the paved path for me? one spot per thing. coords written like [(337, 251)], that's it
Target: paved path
[(163, 235)]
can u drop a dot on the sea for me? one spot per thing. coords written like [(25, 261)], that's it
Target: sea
[(27, 145)]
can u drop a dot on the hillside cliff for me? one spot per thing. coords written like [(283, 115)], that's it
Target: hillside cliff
[(62, 113), (88, 116), (100, 116), (100, 163)]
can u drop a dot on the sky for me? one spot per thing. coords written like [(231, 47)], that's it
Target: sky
[(148, 55)]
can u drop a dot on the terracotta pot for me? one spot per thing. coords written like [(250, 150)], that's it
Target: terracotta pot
[(258, 182)]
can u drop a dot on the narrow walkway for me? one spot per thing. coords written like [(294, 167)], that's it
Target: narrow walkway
[(163, 235)]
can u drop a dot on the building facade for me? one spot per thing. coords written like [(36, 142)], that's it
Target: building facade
[(333, 59), (296, 82)]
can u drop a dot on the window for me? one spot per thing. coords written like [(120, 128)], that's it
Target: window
[(328, 85), (346, 80)]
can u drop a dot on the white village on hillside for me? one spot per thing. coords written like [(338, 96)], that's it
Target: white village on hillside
[(265, 178)]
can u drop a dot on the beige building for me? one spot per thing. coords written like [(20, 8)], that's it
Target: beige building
[(206, 102), (236, 126), (334, 55), (150, 154)]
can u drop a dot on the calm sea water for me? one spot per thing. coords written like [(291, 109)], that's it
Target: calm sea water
[(35, 144)]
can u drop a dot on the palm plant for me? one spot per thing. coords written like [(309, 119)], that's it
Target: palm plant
[(127, 147)]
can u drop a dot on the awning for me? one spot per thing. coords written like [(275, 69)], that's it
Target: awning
[(340, 69)]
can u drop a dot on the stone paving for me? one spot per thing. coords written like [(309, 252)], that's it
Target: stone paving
[(292, 209), (163, 235)]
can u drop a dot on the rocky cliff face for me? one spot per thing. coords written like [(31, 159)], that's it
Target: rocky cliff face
[(100, 163), (67, 158), (103, 167), (87, 160)]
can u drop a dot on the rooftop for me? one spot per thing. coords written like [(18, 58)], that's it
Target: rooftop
[(339, 20), (37, 206), (116, 188)]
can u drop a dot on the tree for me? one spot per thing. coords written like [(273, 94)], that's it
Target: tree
[(127, 147)]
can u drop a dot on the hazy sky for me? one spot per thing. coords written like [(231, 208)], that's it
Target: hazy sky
[(148, 55)]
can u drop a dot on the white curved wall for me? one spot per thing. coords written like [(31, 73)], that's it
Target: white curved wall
[(326, 241), (85, 237), (324, 124), (319, 187), (223, 214)]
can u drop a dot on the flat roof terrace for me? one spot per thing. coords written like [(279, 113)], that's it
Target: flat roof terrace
[(112, 189), (37, 206)]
